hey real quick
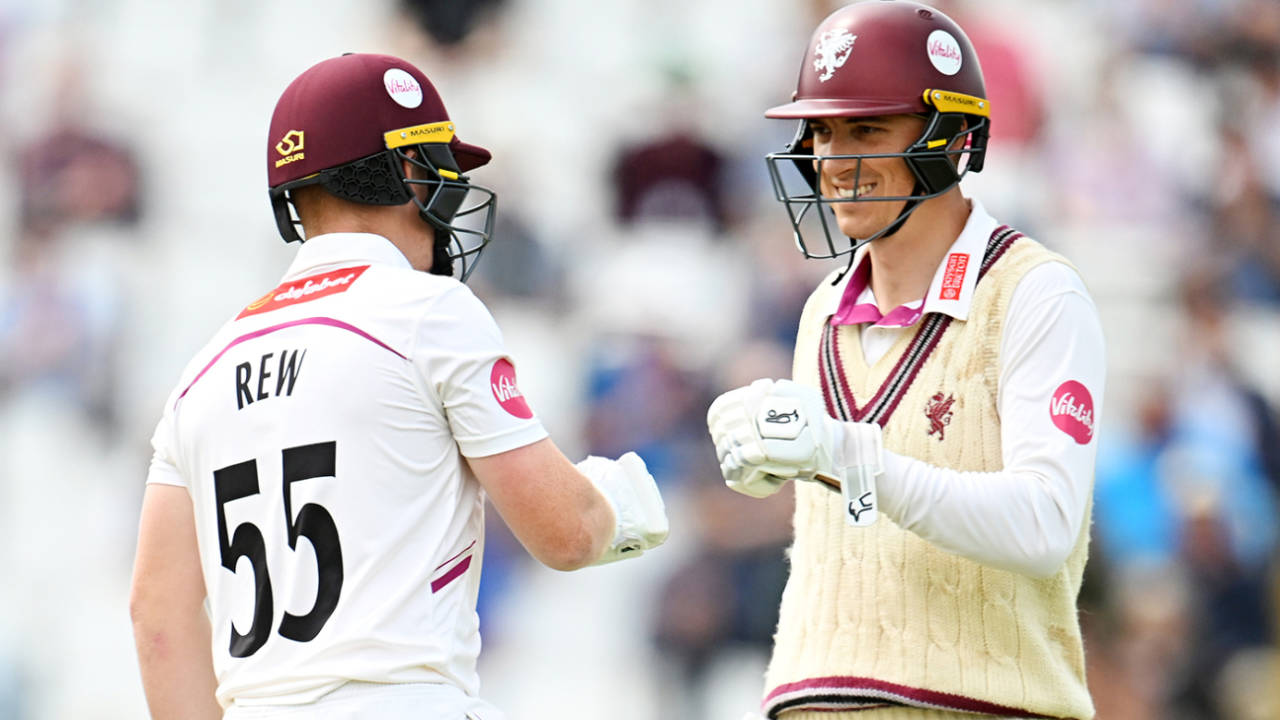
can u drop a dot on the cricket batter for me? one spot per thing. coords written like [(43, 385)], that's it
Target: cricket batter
[(942, 416), (312, 529)]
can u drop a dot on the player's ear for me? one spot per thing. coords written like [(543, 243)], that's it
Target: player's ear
[(959, 143), (407, 168)]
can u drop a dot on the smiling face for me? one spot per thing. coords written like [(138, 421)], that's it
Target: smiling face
[(849, 178)]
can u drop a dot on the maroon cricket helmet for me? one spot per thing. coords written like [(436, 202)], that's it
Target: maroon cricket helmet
[(352, 125), (878, 58), (340, 110)]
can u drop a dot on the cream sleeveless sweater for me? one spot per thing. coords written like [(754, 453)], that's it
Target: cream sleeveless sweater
[(878, 615)]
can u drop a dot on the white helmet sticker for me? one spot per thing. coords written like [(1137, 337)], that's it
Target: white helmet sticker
[(402, 87), (944, 52), (831, 52)]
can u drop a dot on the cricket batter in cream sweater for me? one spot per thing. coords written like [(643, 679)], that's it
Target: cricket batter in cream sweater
[(942, 413)]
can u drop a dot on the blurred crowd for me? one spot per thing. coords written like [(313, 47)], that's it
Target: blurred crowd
[(640, 268)]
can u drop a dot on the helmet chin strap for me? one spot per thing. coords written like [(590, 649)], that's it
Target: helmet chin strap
[(441, 258), (908, 208)]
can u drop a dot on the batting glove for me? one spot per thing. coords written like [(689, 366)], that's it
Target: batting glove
[(772, 431), (633, 494)]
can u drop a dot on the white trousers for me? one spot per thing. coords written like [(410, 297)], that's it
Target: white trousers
[(361, 701)]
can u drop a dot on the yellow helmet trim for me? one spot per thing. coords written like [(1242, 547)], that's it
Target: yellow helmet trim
[(441, 132), (947, 101)]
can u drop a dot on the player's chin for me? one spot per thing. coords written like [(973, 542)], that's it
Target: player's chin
[(858, 222)]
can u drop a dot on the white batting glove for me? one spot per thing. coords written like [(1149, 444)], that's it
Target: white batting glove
[(746, 464), (772, 431), (633, 494)]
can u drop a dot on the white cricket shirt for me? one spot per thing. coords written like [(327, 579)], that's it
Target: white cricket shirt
[(321, 435), (1026, 517)]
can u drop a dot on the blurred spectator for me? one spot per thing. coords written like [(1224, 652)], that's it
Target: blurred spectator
[(1255, 110), (58, 329), (723, 599), (518, 264), (1136, 515), (1221, 424), (1250, 30), (1140, 655), (449, 22), (1185, 507), (1246, 222), (1012, 81), (641, 397), (675, 174), (1106, 172), (74, 174), (1229, 605)]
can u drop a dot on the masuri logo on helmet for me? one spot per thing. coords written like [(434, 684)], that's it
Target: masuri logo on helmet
[(291, 146)]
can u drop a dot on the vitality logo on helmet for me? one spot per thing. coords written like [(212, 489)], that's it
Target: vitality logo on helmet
[(944, 52), (402, 88)]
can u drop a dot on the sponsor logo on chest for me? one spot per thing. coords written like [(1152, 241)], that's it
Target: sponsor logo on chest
[(305, 289), (953, 276)]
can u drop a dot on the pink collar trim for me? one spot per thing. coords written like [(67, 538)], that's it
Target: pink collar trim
[(857, 305)]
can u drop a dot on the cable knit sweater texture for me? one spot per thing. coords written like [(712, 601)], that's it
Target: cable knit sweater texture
[(880, 614)]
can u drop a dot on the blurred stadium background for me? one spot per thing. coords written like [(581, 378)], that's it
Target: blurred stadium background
[(641, 267)]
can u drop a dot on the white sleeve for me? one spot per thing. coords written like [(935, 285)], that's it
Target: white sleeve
[(459, 351), (164, 459), (1026, 517)]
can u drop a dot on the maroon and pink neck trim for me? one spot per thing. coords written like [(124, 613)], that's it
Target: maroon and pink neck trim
[(842, 404)]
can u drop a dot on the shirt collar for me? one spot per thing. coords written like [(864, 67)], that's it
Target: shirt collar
[(345, 249), (951, 291)]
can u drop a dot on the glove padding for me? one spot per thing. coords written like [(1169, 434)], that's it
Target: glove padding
[(633, 494), (772, 431)]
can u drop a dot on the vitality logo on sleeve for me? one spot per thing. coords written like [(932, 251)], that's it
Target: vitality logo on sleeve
[(1072, 411), (301, 290), (502, 381)]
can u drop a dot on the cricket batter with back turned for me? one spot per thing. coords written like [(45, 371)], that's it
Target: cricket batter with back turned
[(320, 470)]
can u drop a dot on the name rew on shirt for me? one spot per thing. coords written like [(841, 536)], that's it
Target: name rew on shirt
[(287, 368)]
